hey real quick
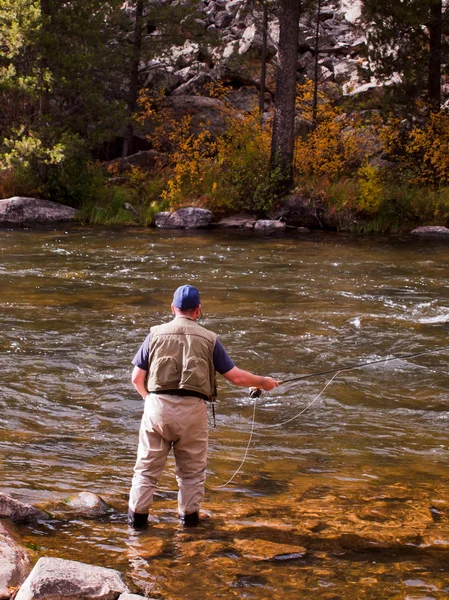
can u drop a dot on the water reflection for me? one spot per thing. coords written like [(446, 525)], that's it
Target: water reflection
[(355, 491)]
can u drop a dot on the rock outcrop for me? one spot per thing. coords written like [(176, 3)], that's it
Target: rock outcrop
[(20, 211)]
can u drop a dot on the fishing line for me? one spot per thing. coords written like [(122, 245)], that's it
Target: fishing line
[(276, 425), (335, 373), (366, 364)]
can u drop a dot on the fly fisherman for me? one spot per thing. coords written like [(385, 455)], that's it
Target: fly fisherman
[(174, 371)]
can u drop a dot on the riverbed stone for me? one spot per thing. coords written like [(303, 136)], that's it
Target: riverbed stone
[(260, 549), (127, 596), (88, 504), (431, 230), (19, 210), (15, 561), (17, 511), (184, 218), (59, 579)]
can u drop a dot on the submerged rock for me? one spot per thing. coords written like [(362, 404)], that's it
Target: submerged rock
[(184, 218), (58, 579), (260, 549), (88, 504), (15, 563), (24, 211), (17, 511)]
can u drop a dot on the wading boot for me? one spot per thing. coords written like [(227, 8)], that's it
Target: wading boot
[(137, 520), (190, 520)]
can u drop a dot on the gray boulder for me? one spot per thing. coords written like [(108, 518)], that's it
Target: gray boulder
[(202, 110), (58, 579), (23, 211), (223, 19), (431, 230), (184, 218), (127, 596), (15, 561), (244, 99), (88, 504), (269, 226), (17, 511)]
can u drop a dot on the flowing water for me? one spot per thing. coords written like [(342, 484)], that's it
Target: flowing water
[(350, 499)]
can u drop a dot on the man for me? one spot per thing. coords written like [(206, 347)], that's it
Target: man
[(174, 371)]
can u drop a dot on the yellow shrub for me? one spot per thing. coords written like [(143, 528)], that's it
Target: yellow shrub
[(370, 189), (337, 145)]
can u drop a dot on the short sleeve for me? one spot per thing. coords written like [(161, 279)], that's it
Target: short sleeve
[(141, 358), (222, 362)]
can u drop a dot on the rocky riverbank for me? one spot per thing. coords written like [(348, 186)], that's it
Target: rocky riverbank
[(52, 578), (295, 214)]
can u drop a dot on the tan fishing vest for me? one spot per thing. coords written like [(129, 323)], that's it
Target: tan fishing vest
[(181, 357)]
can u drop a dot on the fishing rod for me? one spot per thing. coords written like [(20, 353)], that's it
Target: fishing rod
[(255, 392)]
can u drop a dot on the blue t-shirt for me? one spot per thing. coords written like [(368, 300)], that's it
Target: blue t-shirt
[(222, 362)]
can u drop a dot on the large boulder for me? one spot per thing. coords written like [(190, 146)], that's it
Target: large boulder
[(58, 579), (204, 111), (184, 218), (24, 211), (15, 563), (17, 511)]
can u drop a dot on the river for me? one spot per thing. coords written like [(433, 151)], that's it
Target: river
[(342, 495)]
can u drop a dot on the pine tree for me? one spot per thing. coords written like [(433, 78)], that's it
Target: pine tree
[(59, 84), (406, 40)]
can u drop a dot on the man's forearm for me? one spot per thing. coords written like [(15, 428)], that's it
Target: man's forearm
[(138, 380)]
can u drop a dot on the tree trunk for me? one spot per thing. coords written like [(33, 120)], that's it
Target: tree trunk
[(315, 83), (44, 98), (263, 68), (283, 139), (435, 53), (133, 91)]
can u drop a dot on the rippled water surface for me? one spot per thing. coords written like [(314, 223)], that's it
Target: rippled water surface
[(348, 499)]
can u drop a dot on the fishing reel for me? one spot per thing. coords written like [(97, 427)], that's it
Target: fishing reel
[(255, 392)]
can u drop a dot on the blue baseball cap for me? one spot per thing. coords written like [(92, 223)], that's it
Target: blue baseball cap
[(186, 297)]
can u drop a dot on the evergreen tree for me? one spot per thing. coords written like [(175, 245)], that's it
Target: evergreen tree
[(60, 85), (407, 40)]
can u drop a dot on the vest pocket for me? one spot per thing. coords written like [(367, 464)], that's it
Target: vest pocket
[(195, 374), (165, 371)]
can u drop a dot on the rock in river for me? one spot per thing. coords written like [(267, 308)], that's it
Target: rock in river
[(88, 504), (431, 230), (17, 511), (15, 562), (26, 211), (184, 218), (58, 579)]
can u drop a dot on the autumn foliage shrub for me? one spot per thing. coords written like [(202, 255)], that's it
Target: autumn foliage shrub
[(227, 172), (422, 150)]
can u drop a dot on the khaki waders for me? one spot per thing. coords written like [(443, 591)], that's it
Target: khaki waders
[(181, 423)]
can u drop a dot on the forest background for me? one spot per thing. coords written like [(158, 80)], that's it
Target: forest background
[(113, 107)]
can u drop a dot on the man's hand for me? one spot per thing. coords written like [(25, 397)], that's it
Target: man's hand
[(269, 383)]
